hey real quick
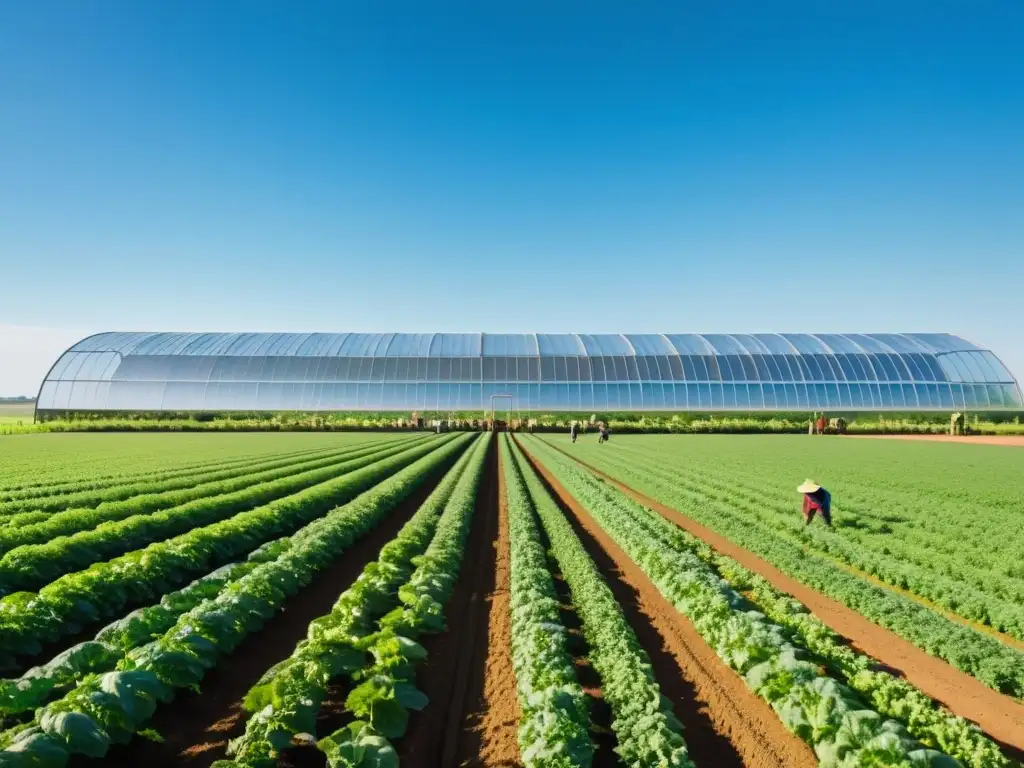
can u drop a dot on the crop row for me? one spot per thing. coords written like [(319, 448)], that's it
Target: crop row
[(646, 729), (103, 590), (960, 584), (148, 496), (128, 525), (977, 654), (64, 488), (827, 715), (891, 696), (110, 708), (369, 638), (554, 719)]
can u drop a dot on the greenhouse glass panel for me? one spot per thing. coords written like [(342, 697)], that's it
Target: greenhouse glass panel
[(651, 400), (547, 369), (490, 369), (546, 396), (774, 396), (832, 395), (916, 372), (632, 373), (1011, 396), (643, 372), (572, 369), (561, 396), (689, 366), (600, 396), (742, 394), (83, 395), (703, 399), (630, 396), (972, 397), (675, 368), (584, 368), (722, 396), (791, 398), (945, 395), (391, 369), (560, 369), (575, 403), (764, 373), (995, 396)]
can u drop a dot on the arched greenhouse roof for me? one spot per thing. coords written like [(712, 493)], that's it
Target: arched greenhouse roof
[(550, 372)]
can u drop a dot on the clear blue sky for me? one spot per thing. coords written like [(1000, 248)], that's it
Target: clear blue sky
[(601, 166)]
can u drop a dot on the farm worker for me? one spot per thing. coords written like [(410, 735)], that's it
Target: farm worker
[(816, 499), (572, 431), (821, 424)]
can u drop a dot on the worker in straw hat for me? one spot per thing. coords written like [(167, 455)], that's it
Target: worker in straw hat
[(816, 499)]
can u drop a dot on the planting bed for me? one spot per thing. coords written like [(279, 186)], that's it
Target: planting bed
[(477, 600)]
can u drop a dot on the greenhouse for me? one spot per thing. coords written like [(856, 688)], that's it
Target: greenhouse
[(221, 372)]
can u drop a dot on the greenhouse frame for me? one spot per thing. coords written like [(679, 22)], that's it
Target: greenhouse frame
[(447, 372)]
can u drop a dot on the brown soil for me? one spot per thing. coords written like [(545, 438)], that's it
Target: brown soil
[(725, 723), (999, 716), (1017, 440), (196, 726), (473, 713)]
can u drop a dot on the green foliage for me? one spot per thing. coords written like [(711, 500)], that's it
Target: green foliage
[(645, 727), (924, 518), (815, 707), (112, 707), (427, 551), (63, 606), (553, 721)]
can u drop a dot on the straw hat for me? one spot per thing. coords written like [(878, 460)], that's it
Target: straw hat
[(809, 486)]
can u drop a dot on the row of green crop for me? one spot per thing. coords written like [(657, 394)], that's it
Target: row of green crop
[(39, 684), (929, 516), (111, 707), (971, 651), (646, 729), (369, 639), (78, 599), (27, 464), (171, 491), (554, 720), (20, 528), (125, 526), (977, 653), (840, 727), (59, 486), (880, 540), (891, 696)]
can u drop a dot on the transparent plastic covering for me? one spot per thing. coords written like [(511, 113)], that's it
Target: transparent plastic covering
[(538, 372)]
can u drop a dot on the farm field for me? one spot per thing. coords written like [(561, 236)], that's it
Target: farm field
[(383, 599)]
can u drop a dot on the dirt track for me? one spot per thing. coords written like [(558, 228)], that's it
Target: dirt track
[(725, 723), (1010, 440), (1001, 717), (196, 726)]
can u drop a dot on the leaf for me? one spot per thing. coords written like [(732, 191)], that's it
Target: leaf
[(78, 731)]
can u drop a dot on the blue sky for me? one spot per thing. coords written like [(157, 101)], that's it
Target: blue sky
[(601, 167)]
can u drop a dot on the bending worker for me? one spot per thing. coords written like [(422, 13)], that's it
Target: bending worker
[(816, 499)]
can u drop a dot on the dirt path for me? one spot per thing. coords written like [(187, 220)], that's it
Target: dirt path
[(196, 726), (473, 715), (999, 716), (725, 724), (1013, 440)]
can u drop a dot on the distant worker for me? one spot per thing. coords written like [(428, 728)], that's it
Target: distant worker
[(602, 436), (572, 431), (821, 424), (439, 427), (816, 499)]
